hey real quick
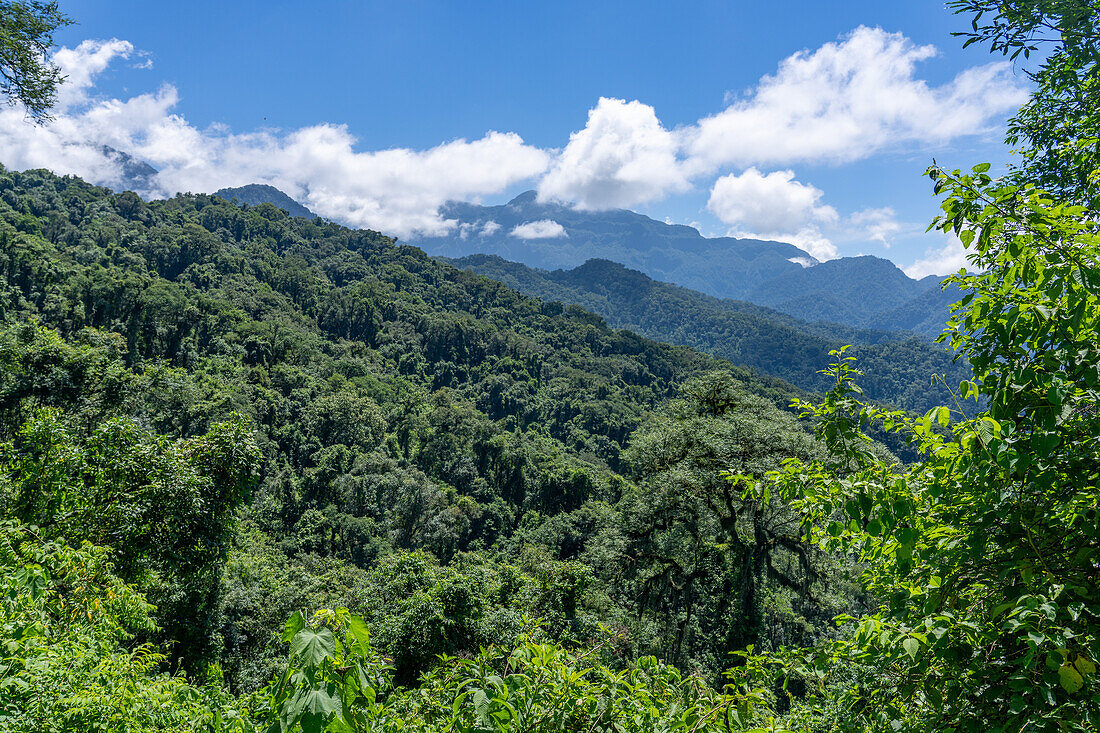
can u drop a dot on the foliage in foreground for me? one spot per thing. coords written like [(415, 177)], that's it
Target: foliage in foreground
[(986, 553), (336, 681), (66, 657), (68, 662)]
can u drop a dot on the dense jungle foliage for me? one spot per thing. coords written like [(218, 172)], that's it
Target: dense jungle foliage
[(268, 473), (450, 459)]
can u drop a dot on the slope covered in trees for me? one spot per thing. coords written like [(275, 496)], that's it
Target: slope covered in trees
[(444, 455), (896, 368), (281, 433)]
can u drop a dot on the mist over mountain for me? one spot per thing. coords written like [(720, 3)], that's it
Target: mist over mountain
[(135, 174), (856, 291)]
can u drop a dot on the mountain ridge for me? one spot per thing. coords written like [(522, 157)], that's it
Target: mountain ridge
[(862, 291), (895, 363)]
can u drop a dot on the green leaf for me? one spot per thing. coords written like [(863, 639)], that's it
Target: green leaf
[(314, 706), (943, 416), (359, 631), (911, 647), (313, 647), (874, 528), (1085, 666), (1071, 679), (481, 707), (294, 624)]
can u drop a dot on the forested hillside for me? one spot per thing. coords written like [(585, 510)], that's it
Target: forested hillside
[(268, 473), (896, 367), (397, 430)]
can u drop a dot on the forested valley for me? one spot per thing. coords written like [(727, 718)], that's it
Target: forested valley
[(896, 365), (269, 473)]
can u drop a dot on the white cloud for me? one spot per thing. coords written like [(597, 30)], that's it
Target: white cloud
[(623, 157), (81, 65), (541, 229), (878, 225), (949, 258), (774, 207), (398, 191), (848, 100), (484, 229), (774, 202), (808, 239), (843, 101)]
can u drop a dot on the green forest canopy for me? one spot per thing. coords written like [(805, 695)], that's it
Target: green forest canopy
[(224, 427)]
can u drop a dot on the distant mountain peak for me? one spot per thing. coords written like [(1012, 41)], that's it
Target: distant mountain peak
[(136, 174), (524, 199), (261, 193)]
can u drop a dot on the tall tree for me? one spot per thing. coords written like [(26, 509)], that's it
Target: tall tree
[(27, 77), (708, 560)]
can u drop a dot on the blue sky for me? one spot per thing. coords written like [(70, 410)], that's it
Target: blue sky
[(705, 116)]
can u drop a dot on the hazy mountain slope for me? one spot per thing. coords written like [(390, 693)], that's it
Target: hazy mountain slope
[(259, 193), (926, 313), (897, 366), (670, 252), (857, 291)]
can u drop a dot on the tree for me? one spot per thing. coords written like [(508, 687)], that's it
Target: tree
[(1058, 128), (707, 558), (985, 554), (26, 34)]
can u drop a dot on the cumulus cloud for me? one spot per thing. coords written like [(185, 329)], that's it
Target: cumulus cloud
[(771, 203), (398, 191), (489, 228), (848, 100), (623, 157), (944, 260), (774, 206), (81, 65), (541, 229), (809, 239)]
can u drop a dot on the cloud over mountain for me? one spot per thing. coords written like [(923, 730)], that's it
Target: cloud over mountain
[(623, 157), (541, 229), (844, 101)]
